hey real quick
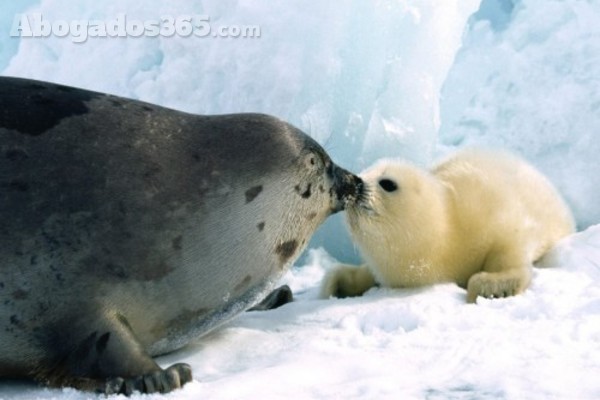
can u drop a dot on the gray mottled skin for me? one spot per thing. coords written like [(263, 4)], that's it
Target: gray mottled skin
[(128, 229)]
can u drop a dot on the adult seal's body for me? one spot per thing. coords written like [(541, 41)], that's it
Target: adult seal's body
[(127, 229)]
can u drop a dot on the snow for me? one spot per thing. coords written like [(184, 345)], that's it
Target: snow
[(408, 344), (371, 80), (533, 85)]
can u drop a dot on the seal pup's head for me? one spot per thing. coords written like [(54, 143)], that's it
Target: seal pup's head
[(399, 203)]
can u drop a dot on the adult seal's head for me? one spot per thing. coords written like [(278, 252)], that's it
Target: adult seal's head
[(129, 229)]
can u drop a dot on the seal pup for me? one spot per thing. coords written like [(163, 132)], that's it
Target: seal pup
[(480, 219), (129, 229)]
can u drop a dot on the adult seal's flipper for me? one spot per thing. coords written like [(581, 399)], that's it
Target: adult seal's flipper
[(108, 358), (278, 297)]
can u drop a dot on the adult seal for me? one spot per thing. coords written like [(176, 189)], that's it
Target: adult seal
[(128, 229)]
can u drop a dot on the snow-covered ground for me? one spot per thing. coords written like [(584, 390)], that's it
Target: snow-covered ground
[(387, 78), (404, 344)]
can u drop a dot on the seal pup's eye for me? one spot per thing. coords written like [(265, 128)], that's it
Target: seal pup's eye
[(388, 185)]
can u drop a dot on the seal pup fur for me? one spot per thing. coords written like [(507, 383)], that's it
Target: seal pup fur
[(480, 219), (129, 229)]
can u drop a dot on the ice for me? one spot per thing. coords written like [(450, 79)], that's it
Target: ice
[(533, 86), (371, 80), (8, 44)]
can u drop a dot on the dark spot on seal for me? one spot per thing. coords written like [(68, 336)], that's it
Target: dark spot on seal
[(102, 342), (243, 284), (321, 189), (33, 260), (37, 86), (144, 268), (42, 100), (176, 243), (116, 103), (152, 171), (19, 294), (252, 193), (116, 270), (261, 226), (286, 250), (124, 321), (66, 89), (43, 306), (147, 108), (183, 319), (20, 186), (16, 184), (311, 216), (1, 285), (16, 155), (153, 272), (35, 108), (14, 320), (306, 193)]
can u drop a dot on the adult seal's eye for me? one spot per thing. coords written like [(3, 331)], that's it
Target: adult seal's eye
[(388, 185), (313, 161)]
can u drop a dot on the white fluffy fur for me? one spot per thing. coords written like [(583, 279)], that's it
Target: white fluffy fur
[(480, 219)]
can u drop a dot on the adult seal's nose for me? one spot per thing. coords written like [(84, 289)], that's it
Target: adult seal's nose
[(348, 188)]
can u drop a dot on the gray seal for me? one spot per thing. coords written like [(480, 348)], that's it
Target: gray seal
[(129, 229)]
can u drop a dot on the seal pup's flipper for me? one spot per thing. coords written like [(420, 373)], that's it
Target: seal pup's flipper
[(347, 281), (278, 297), (104, 355)]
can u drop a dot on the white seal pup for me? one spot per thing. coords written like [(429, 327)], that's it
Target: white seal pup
[(129, 229), (480, 219)]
